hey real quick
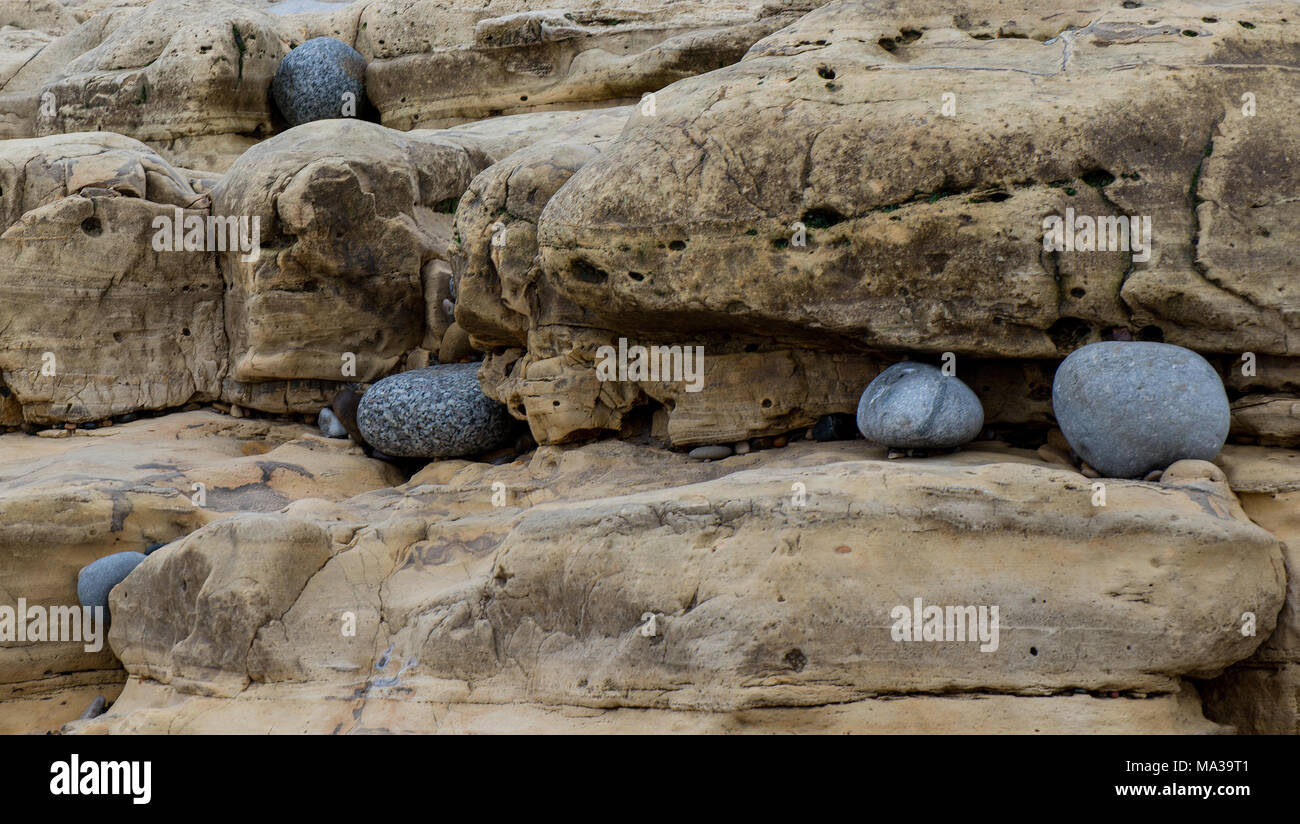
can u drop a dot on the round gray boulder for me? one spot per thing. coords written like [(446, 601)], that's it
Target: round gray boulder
[(1130, 407), (311, 81), (98, 578), (435, 412), (915, 406)]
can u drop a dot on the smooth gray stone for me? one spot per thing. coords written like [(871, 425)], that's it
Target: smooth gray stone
[(709, 453), (915, 406), (97, 579), (311, 80), (95, 709), (1130, 407), (329, 424), (435, 412)]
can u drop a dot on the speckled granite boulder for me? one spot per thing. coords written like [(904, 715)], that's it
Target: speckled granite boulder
[(98, 578), (1128, 407), (435, 412), (916, 406), (311, 81)]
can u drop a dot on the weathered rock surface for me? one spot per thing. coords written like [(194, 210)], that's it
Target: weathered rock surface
[(682, 230), (351, 221), (191, 76), (1272, 420), (93, 321), (758, 602), (699, 198), (1262, 693), (66, 502), (436, 63)]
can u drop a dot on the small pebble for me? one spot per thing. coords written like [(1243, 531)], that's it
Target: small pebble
[(1051, 454), (329, 424), (741, 447), (1056, 438), (95, 709), (709, 453), (236, 411), (1154, 475), (780, 441), (70, 426), (1088, 471)]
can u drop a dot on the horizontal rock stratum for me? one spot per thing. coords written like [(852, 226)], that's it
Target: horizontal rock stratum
[(806, 191), (758, 601)]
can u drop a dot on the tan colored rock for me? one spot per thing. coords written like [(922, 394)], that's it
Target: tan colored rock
[(1267, 374), (1262, 694), (437, 63), (47, 16), (174, 69), (1256, 700), (21, 95), (147, 707), (699, 199), (1272, 420), (343, 207), (756, 603), (67, 502), (95, 321)]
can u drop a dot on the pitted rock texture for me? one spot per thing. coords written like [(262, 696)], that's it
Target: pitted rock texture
[(759, 603), (351, 221), (191, 76), (682, 231), (435, 412), (93, 321), (66, 502), (699, 198)]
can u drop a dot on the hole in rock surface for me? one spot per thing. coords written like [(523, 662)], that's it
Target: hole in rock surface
[(585, 272), (1069, 333)]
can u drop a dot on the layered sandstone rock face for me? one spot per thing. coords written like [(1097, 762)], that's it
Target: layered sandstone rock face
[(688, 227), (65, 502), (762, 595), (190, 76), (808, 191)]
